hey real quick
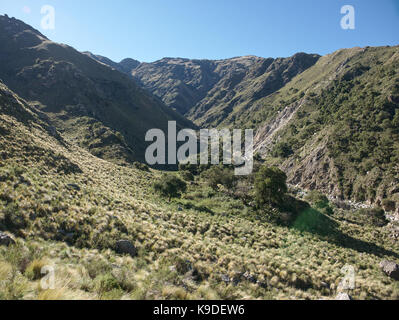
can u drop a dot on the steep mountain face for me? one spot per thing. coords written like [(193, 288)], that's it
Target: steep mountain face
[(207, 91), (100, 108), (183, 83), (335, 126)]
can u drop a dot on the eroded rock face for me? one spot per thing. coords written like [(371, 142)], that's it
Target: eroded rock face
[(207, 90), (126, 247), (5, 240), (390, 268)]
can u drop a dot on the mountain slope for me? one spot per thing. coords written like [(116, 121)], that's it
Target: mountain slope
[(208, 90), (335, 126), (102, 108), (66, 208)]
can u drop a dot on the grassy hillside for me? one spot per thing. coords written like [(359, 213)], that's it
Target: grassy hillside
[(335, 126), (67, 208), (101, 107)]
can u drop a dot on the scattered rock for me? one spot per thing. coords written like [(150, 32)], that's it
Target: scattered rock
[(47, 199), (25, 181), (73, 186), (6, 240), (68, 236), (126, 247), (343, 296), (225, 278), (172, 269), (249, 277), (390, 268), (52, 130)]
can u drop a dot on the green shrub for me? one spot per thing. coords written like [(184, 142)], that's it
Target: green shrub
[(187, 175), (141, 166), (106, 283), (14, 218), (170, 186), (193, 168), (270, 186), (282, 150), (319, 201), (374, 216), (388, 205), (219, 175), (34, 270)]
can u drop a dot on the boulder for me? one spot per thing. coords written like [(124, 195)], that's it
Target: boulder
[(126, 247), (73, 186), (249, 277), (6, 240), (343, 296), (225, 278), (390, 268)]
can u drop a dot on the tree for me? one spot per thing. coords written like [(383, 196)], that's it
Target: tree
[(187, 175), (270, 185), (170, 186), (319, 201), (219, 175)]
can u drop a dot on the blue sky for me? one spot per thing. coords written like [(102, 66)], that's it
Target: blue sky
[(148, 30)]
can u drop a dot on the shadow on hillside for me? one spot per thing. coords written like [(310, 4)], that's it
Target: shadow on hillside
[(190, 205), (312, 221)]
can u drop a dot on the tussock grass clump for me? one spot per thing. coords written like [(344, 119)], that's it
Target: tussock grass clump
[(35, 268)]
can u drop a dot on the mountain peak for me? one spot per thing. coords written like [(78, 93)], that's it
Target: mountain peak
[(13, 26)]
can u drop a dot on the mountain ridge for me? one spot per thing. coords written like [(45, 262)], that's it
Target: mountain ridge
[(108, 109)]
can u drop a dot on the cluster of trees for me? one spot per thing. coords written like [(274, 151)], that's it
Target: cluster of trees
[(266, 186)]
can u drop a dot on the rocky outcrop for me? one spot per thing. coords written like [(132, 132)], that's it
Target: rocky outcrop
[(390, 268), (5, 239), (126, 247)]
